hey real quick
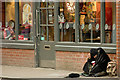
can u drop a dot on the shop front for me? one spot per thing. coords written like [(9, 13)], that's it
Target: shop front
[(58, 35)]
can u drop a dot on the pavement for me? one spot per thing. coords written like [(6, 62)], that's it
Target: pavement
[(28, 72)]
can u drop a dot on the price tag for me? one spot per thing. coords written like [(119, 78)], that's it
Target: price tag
[(20, 37)]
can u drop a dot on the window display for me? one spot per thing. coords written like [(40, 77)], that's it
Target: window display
[(89, 21), (67, 21), (89, 28), (8, 21), (25, 20)]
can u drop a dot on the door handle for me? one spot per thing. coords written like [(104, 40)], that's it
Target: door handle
[(37, 35)]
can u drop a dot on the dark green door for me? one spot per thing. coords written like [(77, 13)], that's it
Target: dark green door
[(45, 34)]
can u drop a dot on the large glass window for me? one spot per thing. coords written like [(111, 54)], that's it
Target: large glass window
[(89, 28), (67, 21), (110, 22), (89, 21)]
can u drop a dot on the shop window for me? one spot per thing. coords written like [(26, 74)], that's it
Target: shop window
[(25, 21), (67, 21), (110, 22), (8, 20), (89, 21)]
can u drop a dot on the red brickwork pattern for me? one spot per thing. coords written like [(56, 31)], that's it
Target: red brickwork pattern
[(73, 61), (118, 36), (18, 57)]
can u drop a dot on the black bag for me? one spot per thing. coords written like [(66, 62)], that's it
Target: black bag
[(73, 75)]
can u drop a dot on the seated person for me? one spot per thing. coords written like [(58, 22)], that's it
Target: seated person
[(96, 64), (9, 31)]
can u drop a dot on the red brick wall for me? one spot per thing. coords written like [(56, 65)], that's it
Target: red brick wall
[(18, 57), (73, 61), (118, 36)]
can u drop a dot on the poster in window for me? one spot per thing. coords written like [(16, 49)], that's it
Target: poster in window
[(27, 14)]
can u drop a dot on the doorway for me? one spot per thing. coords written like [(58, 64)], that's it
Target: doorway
[(45, 35)]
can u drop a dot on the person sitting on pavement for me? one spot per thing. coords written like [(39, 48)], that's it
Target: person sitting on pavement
[(96, 64)]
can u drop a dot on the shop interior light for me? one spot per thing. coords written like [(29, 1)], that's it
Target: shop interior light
[(70, 6), (43, 0)]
